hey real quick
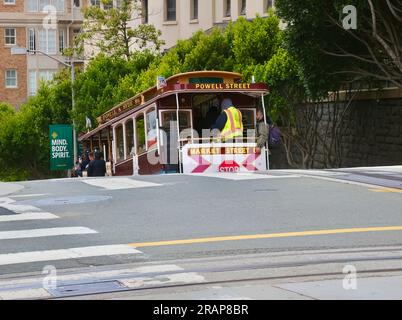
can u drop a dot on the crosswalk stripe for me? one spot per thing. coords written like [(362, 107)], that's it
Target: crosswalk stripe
[(46, 232), (28, 216), (19, 208), (29, 195), (66, 254), (119, 183)]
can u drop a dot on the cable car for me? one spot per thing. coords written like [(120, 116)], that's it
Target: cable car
[(166, 128)]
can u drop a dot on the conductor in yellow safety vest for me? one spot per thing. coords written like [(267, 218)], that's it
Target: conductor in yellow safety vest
[(229, 122)]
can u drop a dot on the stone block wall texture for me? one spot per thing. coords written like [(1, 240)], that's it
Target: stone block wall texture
[(371, 135)]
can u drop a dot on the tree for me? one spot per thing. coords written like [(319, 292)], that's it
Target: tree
[(97, 88), (331, 55), (208, 52), (112, 31), (24, 141), (6, 110)]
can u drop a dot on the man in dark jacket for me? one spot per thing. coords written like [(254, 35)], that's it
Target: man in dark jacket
[(97, 167)]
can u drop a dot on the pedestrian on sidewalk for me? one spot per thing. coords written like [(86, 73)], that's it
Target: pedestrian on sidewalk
[(97, 167)]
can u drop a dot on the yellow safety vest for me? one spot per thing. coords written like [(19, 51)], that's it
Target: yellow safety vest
[(234, 124)]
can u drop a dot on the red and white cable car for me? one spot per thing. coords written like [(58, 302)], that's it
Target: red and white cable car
[(167, 127)]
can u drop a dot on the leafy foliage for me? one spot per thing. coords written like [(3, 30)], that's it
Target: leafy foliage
[(330, 55), (111, 31)]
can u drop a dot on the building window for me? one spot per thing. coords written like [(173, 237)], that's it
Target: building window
[(77, 3), (59, 4), (227, 10), (9, 1), (170, 10), (40, 5), (96, 3), (47, 41), (243, 7), (144, 11), (10, 36), (107, 4), (32, 83), (11, 78), (61, 40), (31, 39), (32, 5), (47, 75), (194, 9), (268, 4)]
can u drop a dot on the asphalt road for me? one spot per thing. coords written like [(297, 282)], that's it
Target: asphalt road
[(76, 223)]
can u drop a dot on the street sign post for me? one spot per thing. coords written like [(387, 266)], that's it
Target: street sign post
[(61, 147)]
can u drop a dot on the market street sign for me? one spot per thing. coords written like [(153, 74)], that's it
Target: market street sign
[(61, 147), (223, 157)]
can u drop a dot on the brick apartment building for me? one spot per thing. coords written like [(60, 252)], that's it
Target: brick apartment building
[(21, 25)]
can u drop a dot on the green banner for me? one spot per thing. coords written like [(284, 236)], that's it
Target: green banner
[(61, 147)]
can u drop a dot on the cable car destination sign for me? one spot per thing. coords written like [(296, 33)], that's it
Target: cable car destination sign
[(61, 147), (222, 157)]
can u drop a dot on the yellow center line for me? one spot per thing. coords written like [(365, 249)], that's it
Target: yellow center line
[(264, 236), (394, 190)]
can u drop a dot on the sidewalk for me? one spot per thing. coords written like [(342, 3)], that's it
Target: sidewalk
[(370, 288), (7, 188)]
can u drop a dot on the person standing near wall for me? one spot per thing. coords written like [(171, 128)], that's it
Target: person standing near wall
[(262, 130)]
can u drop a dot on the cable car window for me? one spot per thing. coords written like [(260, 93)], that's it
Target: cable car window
[(248, 116), (168, 116), (151, 129), (129, 136), (140, 134), (206, 108), (119, 143)]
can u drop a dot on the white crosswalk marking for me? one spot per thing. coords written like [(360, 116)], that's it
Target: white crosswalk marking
[(244, 176), (28, 216), (19, 208), (29, 195), (119, 183), (66, 254), (47, 232), (23, 212)]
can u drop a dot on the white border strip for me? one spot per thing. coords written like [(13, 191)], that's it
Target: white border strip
[(47, 232), (66, 254), (28, 216)]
